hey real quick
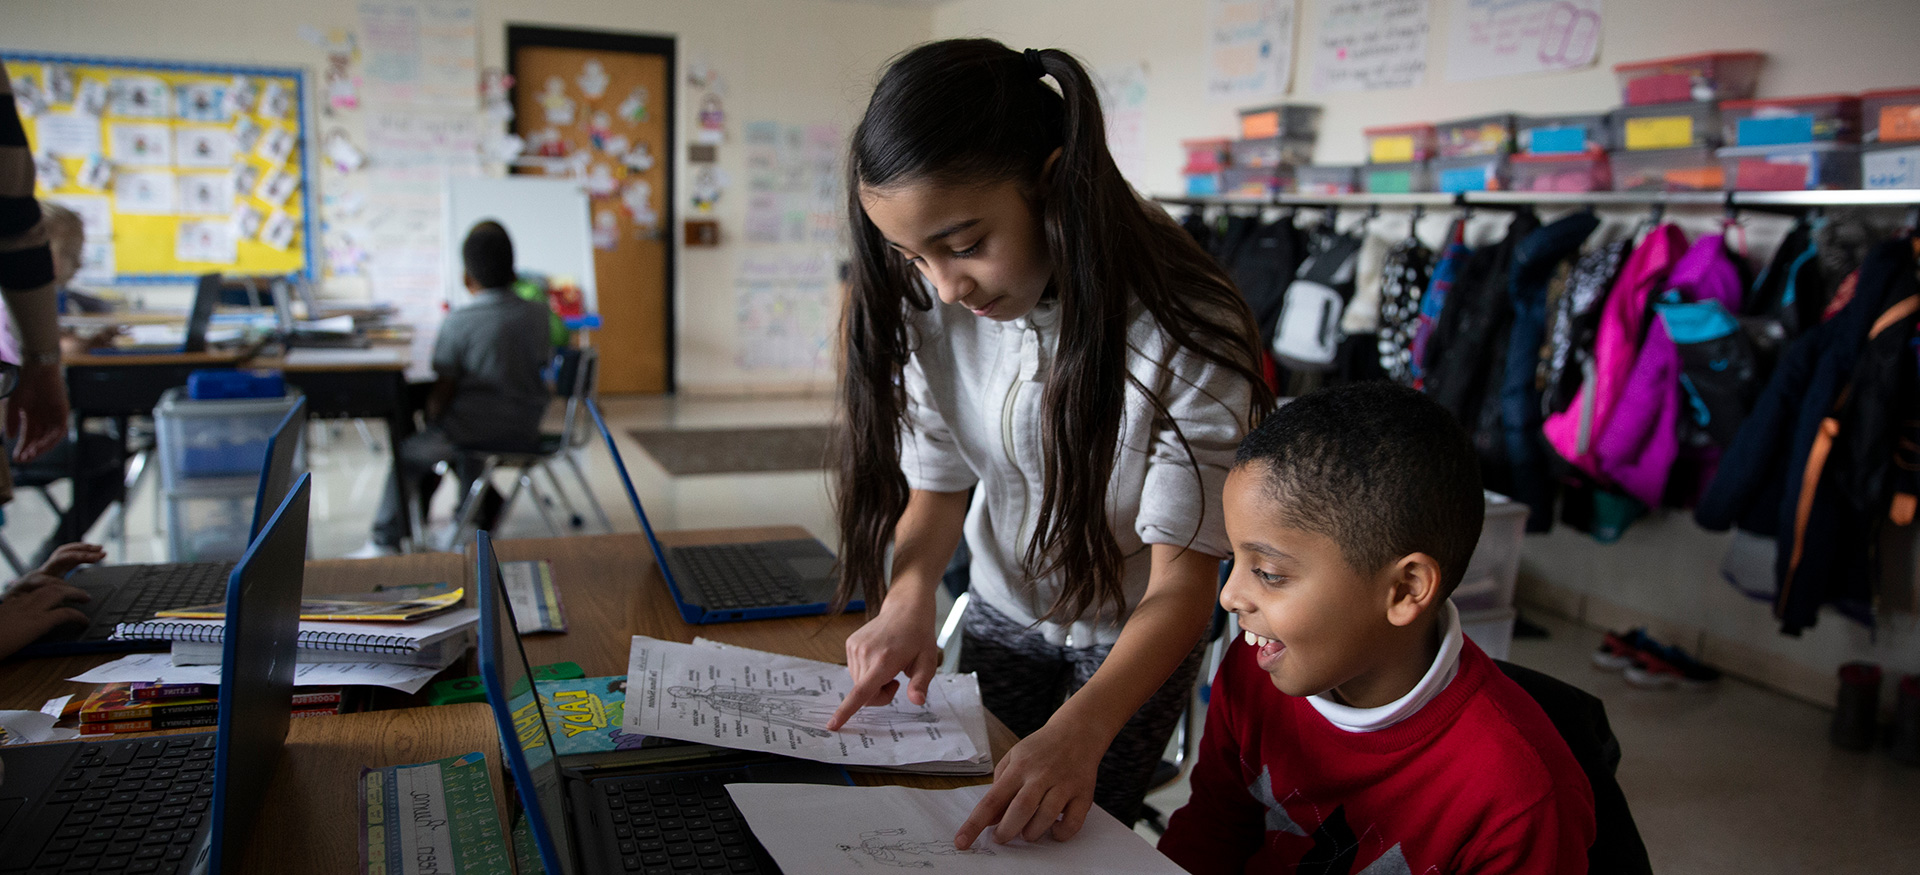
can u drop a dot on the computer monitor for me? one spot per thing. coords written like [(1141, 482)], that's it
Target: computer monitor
[(277, 472), (205, 295)]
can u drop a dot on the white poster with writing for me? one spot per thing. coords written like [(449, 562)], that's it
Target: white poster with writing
[(1489, 38), (1249, 48), (1123, 97), (1371, 45)]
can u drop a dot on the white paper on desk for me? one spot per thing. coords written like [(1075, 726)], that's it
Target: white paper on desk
[(749, 700), (962, 692), (815, 829), (374, 356), (159, 668), (27, 727), (342, 324)]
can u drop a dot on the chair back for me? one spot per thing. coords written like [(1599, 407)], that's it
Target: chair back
[(584, 385)]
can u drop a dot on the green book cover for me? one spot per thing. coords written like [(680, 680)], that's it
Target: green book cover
[(584, 715), (431, 817)]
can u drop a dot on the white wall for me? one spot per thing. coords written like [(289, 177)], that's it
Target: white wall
[(795, 61)]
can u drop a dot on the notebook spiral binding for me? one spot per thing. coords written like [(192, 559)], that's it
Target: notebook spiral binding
[(199, 633)]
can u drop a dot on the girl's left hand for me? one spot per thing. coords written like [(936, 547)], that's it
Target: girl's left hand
[(1043, 785)]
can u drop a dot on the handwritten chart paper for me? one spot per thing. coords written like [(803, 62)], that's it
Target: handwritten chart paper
[(1249, 48), (813, 829), (1488, 38), (749, 700), (1371, 45)]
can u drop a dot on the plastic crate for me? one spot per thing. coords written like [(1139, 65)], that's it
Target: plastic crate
[(1564, 134), (1494, 571), (1271, 152), (1492, 630), (1396, 178), (1399, 144), (1890, 116), (1478, 173), (1294, 121), (1204, 184), (1893, 166), (1803, 167), (1469, 137), (1787, 120), (1255, 181), (1577, 172), (1324, 179), (1205, 156), (1708, 76), (1666, 126), (210, 527), (1690, 169), (215, 438)]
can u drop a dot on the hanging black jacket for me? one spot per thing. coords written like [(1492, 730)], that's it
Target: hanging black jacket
[(1469, 346), (1535, 260), (1262, 258)]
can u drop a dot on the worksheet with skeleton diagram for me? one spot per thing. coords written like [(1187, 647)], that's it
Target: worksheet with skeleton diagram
[(751, 700), (814, 829)]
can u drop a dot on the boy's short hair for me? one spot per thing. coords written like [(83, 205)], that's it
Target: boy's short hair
[(488, 254), (1379, 468)]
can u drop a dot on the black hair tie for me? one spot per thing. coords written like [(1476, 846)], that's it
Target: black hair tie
[(1034, 64)]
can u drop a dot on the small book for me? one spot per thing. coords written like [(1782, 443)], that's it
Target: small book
[(190, 721), (145, 691), (318, 635), (371, 609), (116, 702)]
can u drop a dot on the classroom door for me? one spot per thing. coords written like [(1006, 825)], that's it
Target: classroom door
[(599, 106)]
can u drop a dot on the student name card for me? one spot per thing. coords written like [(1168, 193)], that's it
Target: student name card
[(434, 818)]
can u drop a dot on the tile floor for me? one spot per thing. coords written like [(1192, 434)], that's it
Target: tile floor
[(1736, 779)]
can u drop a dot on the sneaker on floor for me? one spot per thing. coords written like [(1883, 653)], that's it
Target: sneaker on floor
[(1619, 650), (1663, 667), (373, 550)]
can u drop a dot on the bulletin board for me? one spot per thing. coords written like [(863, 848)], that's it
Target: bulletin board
[(176, 169)]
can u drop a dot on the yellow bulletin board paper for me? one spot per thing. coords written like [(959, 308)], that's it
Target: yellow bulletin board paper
[(1392, 150), (191, 134), (1660, 132)]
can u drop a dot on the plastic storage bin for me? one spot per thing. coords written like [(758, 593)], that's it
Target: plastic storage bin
[(1690, 169), (1205, 156), (1666, 126), (1254, 181), (209, 528), (216, 438), (1293, 121), (1399, 144), (1325, 179), (1469, 137), (1805, 167), (1491, 630), (1271, 152), (1586, 171), (1204, 184), (1564, 134), (1396, 178), (1786, 120), (1480, 173), (1709, 76), (1891, 116), (1493, 573), (1891, 166)]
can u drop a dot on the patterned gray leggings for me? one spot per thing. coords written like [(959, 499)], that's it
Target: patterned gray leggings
[(1024, 678)]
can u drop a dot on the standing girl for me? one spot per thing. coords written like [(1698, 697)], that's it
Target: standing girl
[(1086, 369)]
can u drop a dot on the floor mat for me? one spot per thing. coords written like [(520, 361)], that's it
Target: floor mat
[(734, 450)]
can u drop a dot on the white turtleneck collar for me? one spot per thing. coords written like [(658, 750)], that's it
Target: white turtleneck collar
[(1445, 664)]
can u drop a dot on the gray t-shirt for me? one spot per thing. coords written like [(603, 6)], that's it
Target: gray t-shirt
[(493, 349)]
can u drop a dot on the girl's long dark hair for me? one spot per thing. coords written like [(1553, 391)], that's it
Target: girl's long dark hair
[(973, 111)]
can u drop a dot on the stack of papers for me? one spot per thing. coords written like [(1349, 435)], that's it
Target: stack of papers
[(158, 668), (749, 700)]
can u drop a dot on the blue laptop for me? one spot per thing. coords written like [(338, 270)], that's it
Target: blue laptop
[(131, 593), (666, 817), (176, 803), (757, 580)]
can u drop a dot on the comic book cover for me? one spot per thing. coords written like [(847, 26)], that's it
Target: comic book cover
[(584, 715)]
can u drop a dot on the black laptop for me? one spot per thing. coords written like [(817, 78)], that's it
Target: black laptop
[(177, 803), (755, 580), (131, 593), (665, 818)]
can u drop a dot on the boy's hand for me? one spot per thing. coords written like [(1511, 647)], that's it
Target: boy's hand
[(67, 557), (35, 605), (1043, 786), (900, 639)]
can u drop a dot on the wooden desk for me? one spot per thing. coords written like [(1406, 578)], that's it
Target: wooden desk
[(611, 590), (26, 684)]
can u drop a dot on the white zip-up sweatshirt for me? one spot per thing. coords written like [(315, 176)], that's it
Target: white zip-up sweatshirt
[(974, 417)]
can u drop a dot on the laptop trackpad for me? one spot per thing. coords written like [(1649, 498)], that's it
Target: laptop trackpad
[(812, 568)]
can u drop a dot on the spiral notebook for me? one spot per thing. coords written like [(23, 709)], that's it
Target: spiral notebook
[(315, 635)]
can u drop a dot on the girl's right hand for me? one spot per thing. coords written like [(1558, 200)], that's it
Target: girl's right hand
[(900, 639)]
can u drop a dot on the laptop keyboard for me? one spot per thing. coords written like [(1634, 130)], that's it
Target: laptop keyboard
[(161, 587), (733, 576), (680, 824), (125, 806)]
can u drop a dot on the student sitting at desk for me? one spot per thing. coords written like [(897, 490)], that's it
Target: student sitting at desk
[(1357, 721), (487, 393), (41, 600)]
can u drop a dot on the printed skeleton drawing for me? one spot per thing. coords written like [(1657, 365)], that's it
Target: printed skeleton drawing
[(799, 709), (881, 847)]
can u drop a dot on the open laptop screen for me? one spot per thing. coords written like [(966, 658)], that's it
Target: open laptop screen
[(523, 723), (276, 475), (633, 497)]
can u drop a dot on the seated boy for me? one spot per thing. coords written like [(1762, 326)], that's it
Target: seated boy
[(1357, 730), (487, 392)]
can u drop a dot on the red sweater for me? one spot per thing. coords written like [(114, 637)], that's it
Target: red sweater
[(1477, 780)]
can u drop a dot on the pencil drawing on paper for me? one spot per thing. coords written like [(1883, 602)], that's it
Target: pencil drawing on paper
[(801, 709), (889, 847)]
